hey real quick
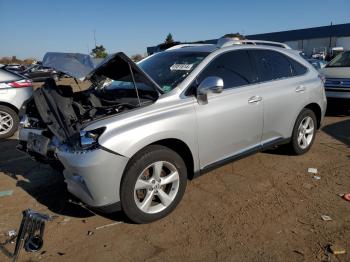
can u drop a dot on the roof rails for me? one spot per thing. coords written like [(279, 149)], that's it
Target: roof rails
[(187, 45), (224, 42)]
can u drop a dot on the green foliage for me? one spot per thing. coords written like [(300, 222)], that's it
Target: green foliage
[(136, 57), (169, 39), (234, 35), (99, 52)]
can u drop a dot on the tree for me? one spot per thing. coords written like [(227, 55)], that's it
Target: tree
[(136, 57), (234, 35), (99, 52), (169, 39)]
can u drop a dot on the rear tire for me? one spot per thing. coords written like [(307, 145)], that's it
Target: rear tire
[(153, 184), (304, 132), (8, 122)]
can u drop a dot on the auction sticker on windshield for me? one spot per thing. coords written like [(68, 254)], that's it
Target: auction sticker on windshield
[(183, 67)]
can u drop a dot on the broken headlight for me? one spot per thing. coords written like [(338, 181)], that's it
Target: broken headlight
[(89, 139)]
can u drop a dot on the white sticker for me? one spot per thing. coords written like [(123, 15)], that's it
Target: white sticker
[(183, 67)]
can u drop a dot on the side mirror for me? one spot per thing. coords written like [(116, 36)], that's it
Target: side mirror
[(212, 84)]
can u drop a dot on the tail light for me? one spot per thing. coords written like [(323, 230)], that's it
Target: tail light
[(21, 83)]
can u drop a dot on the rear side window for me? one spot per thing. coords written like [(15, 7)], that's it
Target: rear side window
[(272, 65), (235, 68), (298, 69)]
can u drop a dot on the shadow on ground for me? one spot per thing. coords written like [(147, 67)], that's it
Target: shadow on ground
[(42, 182)]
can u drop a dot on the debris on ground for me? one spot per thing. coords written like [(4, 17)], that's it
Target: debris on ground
[(316, 177), (326, 218), (90, 233), (64, 221), (108, 225), (341, 194), (6, 193), (347, 196), (12, 233), (312, 170), (337, 250), (307, 186)]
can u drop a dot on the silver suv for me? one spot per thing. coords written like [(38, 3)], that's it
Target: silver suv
[(135, 137)]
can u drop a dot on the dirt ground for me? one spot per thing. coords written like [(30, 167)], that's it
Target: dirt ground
[(266, 207)]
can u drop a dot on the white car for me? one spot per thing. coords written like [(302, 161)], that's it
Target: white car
[(14, 90), (337, 74)]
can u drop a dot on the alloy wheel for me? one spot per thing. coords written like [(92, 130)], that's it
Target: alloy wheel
[(6, 122), (156, 187), (306, 132)]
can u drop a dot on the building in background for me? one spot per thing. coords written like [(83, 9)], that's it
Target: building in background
[(317, 41)]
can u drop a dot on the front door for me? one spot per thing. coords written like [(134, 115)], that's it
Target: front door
[(231, 122)]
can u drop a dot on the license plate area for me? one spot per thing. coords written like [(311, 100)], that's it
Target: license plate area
[(37, 143)]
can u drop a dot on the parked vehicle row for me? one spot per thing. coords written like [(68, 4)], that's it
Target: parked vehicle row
[(134, 138), (14, 90), (36, 72)]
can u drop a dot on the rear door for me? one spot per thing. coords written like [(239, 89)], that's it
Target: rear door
[(231, 122), (283, 91)]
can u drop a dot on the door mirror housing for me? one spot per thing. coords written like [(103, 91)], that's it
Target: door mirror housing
[(212, 84)]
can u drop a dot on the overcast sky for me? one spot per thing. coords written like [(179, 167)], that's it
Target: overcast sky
[(31, 28)]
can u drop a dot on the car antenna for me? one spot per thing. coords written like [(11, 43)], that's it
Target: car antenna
[(135, 86)]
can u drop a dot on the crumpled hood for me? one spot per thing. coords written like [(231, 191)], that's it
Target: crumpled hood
[(84, 67), (73, 64)]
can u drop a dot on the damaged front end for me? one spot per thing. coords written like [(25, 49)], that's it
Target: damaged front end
[(56, 116)]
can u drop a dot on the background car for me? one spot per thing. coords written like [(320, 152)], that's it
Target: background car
[(317, 63), (337, 74), (17, 68), (39, 73), (14, 90)]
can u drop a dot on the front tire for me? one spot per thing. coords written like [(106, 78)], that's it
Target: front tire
[(304, 132), (153, 184), (8, 122)]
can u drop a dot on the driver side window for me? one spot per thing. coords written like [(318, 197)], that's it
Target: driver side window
[(234, 67)]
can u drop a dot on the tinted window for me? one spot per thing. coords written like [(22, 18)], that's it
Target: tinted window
[(234, 68), (298, 69), (272, 65)]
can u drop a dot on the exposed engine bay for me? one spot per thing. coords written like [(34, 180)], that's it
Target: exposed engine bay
[(118, 85)]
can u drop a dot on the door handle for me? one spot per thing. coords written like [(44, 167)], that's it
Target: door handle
[(300, 88), (254, 99)]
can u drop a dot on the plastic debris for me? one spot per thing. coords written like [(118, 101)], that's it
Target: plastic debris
[(337, 250), (347, 196), (12, 233), (108, 225), (341, 194), (326, 218), (312, 170), (6, 193), (90, 233), (317, 177)]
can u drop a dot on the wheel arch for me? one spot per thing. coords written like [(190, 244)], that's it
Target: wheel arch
[(318, 113), (181, 148), (9, 106)]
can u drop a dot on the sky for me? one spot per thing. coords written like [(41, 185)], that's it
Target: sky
[(33, 27)]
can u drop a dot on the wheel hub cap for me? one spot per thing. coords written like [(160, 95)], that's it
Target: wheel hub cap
[(306, 132), (6, 122)]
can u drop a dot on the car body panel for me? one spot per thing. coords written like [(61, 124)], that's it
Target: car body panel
[(337, 82), (228, 124)]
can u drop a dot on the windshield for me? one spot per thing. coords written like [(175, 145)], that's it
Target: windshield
[(168, 69), (341, 60)]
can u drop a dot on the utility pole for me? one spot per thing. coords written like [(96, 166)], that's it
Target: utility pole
[(95, 37)]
